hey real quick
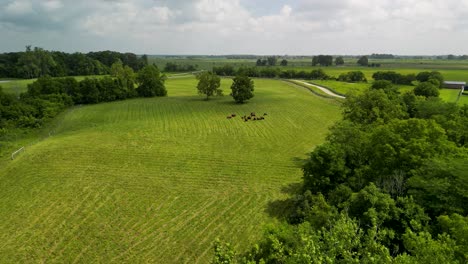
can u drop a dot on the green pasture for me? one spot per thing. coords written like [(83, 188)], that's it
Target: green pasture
[(157, 180), (342, 87)]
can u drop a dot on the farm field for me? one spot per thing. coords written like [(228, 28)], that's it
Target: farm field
[(452, 70), (157, 180), (341, 87)]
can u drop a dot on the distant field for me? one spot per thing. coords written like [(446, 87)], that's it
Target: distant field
[(157, 180), (201, 63), (16, 86), (453, 69)]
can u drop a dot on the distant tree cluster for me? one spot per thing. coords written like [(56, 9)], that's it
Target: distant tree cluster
[(352, 77), (454, 57), (226, 70), (381, 56), (339, 61), (434, 77), (269, 61), (47, 96), (174, 67), (271, 72), (322, 60), (394, 77), (37, 62), (363, 61)]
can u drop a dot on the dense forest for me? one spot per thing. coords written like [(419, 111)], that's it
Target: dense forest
[(389, 185), (37, 62)]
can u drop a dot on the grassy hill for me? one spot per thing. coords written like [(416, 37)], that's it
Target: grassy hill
[(157, 180)]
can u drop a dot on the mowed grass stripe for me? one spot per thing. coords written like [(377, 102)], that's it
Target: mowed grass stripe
[(157, 179)]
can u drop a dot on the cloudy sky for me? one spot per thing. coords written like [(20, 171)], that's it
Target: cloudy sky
[(237, 26)]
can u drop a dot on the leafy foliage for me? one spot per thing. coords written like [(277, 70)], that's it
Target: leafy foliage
[(363, 61), (208, 84), (352, 76), (394, 77), (426, 89), (242, 89), (150, 82), (390, 185), (322, 60), (434, 75)]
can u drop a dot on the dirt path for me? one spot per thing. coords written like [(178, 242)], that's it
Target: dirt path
[(325, 90)]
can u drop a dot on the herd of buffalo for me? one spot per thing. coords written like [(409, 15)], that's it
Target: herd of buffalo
[(251, 117)]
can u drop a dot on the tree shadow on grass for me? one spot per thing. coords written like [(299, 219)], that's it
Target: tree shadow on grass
[(231, 102), (283, 208), (299, 162)]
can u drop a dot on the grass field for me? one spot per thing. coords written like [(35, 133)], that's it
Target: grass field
[(342, 87), (157, 180), (463, 100)]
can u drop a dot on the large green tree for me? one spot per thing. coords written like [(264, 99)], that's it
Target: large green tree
[(427, 89), (208, 84), (125, 76), (242, 89), (151, 82)]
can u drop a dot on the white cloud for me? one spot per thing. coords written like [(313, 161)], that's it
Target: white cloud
[(128, 18), (228, 26), (52, 5), (19, 7)]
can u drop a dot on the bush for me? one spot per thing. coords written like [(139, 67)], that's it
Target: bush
[(426, 89), (352, 76)]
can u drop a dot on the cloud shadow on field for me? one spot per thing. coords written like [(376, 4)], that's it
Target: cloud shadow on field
[(281, 209)]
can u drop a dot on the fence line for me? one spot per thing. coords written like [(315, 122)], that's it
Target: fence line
[(462, 90), (48, 135), (16, 152)]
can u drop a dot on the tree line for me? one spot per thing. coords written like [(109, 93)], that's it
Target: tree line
[(270, 72), (389, 185), (47, 96), (408, 79), (319, 74), (270, 61), (327, 60), (174, 67), (36, 62)]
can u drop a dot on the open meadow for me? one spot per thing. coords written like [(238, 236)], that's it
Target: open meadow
[(157, 180)]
